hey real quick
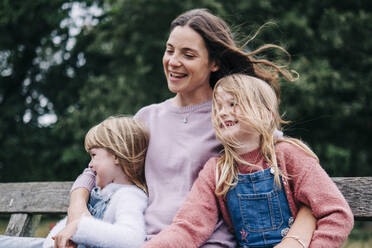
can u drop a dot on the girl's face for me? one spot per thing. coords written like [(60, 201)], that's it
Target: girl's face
[(105, 166), (186, 64), (231, 124)]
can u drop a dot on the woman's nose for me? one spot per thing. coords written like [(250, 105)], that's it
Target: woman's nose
[(174, 60)]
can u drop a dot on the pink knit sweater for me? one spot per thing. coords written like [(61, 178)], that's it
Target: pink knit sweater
[(309, 184)]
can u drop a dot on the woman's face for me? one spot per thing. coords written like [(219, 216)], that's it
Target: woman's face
[(186, 64)]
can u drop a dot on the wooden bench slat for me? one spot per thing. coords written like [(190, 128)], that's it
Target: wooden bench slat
[(358, 193), (25, 200), (34, 197), (23, 225)]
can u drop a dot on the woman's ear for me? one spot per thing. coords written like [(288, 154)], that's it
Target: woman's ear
[(214, 66)]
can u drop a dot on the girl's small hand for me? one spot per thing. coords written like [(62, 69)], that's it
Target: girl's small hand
[(62, 239)]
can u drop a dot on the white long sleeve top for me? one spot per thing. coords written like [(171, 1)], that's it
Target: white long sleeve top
[(123, 223)]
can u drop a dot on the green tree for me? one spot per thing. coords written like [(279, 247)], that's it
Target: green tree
[(32, 45), (114, 67)]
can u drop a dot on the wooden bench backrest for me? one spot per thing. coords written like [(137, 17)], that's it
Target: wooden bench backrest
[(26, 201)]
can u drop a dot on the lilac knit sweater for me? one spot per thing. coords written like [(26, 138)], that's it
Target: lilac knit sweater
[(177, 151)]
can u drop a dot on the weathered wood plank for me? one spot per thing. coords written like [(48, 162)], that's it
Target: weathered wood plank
[(23, 225), (31, 226), (52, 197), (358, 193), (17, 224), (34, 197)]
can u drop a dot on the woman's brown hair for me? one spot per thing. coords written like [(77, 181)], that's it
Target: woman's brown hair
[(226, 54)]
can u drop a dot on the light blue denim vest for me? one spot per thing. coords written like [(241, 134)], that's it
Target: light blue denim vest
[(97, 205), (259, 210)]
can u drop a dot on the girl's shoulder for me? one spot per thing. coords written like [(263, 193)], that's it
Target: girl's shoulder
[(294, 158), (129, 195), (209, 168), (131, 191), (289, 149)]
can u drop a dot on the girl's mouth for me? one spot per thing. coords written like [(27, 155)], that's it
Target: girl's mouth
[(228, 123)]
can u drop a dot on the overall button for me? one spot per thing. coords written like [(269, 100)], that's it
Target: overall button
[(284, 232), (272, 170)]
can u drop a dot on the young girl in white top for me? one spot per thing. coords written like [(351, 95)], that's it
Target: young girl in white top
[(117, 147), (260, 182)]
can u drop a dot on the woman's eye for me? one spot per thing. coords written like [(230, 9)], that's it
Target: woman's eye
[(168, 51), (189, 55)]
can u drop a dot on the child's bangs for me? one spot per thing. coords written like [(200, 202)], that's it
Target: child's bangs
[(91, 139)]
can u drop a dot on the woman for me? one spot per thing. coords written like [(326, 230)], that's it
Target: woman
[(200, 50)]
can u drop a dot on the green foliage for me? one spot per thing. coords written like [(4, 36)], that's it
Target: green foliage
[(115, 67)]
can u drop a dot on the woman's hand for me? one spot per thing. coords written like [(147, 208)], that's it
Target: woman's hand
[(62, 239), (289, 243), (302, 229)]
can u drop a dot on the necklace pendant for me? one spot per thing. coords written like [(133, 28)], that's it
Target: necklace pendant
[(185, 120)]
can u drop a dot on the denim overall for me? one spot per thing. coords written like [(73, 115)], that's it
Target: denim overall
[(259, 210), (97, 205)]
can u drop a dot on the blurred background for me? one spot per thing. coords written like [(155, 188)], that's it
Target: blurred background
[(67, 65)]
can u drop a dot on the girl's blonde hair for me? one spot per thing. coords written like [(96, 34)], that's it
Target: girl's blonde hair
[(258, 105), (127, 139)]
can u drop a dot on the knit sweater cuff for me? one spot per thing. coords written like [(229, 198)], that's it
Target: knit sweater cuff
[(86, 180)]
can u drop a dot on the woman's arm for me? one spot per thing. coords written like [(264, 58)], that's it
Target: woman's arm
[(78, 204), (77, 208), (79, 197), (302, 228)]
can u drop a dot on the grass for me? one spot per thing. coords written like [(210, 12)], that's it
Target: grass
[(43, 228), (360, 236)]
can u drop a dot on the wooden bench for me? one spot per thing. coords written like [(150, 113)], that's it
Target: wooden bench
[(26, 202)]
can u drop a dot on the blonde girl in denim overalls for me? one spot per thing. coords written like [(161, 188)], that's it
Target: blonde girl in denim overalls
[(245, 118)]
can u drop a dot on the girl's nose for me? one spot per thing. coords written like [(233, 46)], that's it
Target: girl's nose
[(222, 112)]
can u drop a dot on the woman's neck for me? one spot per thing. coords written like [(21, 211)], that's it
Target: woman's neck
[(189, 99)]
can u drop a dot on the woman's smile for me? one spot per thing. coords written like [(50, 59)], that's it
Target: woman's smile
[(187, 67)]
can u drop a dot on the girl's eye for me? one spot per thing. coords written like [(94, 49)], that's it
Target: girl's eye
[(190, 56)]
